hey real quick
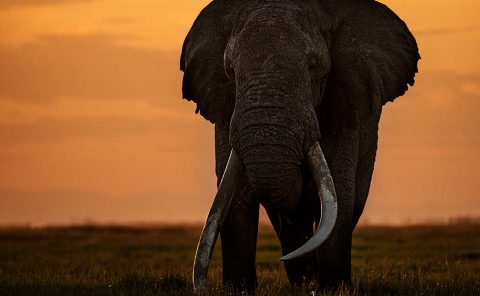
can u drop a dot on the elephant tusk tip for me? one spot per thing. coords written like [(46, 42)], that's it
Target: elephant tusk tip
[(298, 253)]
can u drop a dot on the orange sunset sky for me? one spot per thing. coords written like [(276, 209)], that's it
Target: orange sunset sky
[(93, 127)]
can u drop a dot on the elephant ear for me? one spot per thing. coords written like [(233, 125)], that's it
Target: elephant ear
[(373, 60), (204, 79)]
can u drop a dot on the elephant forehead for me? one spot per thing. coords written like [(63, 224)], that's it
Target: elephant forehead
[(277, 18), (266, 42), (272, 12), (273, 30)]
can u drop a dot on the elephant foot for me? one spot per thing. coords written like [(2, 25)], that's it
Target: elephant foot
[(332, 280), (239, 288)]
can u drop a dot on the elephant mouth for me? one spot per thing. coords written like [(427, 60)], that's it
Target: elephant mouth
[(223, 198)]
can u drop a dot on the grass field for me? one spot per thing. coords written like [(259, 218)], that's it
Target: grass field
[(89, 260)]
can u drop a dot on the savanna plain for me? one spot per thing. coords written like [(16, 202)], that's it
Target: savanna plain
[(157, 260)]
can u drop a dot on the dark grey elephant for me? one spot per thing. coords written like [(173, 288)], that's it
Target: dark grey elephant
[(276, 77)]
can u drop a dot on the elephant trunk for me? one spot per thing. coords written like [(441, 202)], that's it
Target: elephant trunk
[(269, 142)]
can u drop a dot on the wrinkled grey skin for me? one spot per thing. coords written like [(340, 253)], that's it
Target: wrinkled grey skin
[(276, 76)]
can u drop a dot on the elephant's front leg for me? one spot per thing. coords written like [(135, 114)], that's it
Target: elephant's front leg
[(239, 230), (334, 256), (293, 230), (239, 240)]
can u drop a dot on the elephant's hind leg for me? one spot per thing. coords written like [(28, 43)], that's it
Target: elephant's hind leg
[(362, 181), (367, 151)]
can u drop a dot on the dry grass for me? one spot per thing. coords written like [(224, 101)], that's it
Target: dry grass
[(90, 260)]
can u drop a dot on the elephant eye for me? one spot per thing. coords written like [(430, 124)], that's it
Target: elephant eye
[(312, 64)]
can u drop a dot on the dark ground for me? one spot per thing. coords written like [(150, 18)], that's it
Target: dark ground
[(94, 260)]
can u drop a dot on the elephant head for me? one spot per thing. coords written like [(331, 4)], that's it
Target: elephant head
[(281, 74)]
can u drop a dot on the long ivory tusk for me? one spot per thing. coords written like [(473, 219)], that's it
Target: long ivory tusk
[(326, 191), (214, 222)]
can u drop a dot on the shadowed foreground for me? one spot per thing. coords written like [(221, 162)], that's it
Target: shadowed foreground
[(89, 260)]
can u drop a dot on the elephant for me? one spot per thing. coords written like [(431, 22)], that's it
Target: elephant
[(295, 90)]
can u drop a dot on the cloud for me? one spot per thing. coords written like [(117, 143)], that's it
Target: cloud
[(460, 85), (58, 130), (78, 207), (446, 31), (437, 118), (429, 150), (87, 66), (53, 130), (79, 87), (16, 3)]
